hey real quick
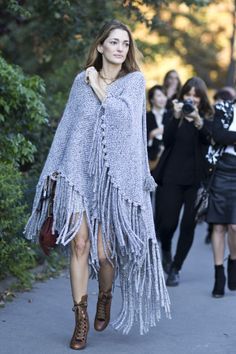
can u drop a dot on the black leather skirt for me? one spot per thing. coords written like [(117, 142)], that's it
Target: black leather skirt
[(222, 200)]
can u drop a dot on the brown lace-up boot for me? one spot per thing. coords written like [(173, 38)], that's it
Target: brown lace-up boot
[(102, 317), (79, 338)]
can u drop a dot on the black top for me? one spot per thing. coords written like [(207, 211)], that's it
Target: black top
[(180, 165), (183, 160), (154, 149)]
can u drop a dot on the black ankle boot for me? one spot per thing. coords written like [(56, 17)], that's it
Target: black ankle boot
[(166, 261), (219, 286), (173, 277), (231, 270)]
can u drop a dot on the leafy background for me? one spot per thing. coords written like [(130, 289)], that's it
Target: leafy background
[(43, 44)]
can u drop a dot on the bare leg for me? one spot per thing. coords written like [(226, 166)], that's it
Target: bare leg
[(105, 277), (106, 272), (218, 243), (231, 266), (232, 241), (79, 272)]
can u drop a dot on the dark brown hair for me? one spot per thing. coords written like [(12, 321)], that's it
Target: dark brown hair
[(95, 58), (224, 95), (205, 107), (151, 92)]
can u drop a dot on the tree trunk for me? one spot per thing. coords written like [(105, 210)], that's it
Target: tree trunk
[(231, 72)]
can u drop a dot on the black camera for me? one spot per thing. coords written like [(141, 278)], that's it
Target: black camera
[(188, 107)]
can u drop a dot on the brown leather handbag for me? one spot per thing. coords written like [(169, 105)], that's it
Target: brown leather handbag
[(153, 163), (47, 239)]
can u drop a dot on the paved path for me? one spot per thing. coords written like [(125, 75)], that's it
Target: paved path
[(41, 321)]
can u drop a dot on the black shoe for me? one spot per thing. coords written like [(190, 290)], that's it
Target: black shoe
[(166, 261), (219, 286), (208, 239), (173, 277), (231, 270)]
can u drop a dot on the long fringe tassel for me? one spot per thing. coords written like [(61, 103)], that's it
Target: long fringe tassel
[(126, 243)]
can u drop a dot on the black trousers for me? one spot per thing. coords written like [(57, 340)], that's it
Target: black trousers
[(169, 201)]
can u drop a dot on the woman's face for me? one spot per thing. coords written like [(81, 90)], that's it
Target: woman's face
[(191, 95), (115, 47), (159, 99), (172, 79)]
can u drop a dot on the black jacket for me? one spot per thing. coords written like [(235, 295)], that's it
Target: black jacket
[(154, 149), (201, 141), (221, 124), (224, 114)]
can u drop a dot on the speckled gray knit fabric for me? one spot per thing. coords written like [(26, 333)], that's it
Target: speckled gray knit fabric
[(99, 161)]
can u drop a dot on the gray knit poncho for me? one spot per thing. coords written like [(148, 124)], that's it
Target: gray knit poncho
[(99, 161)]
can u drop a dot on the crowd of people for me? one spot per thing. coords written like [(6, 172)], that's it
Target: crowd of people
[(191, 143)]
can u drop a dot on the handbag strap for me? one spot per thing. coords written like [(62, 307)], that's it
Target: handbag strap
[(212, 176), (51, 193)]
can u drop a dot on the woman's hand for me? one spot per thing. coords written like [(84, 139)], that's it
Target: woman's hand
[(197, 120), (92, 79), (177, 106), (156, 131), (91, 76)]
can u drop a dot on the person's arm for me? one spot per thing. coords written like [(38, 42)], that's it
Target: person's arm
[(121, 102), (205, 133), (220, 134), (170, 130), (172, 123), (99, 91), (149, 123), (92, 79)]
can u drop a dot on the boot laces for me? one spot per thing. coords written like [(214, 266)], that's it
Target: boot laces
[(101, 306), (81, 322)]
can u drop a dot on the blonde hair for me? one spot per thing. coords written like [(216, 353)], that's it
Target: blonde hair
[(95, 58)]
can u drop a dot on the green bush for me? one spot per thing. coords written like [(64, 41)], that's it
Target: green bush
[(16, 257), (12, 207), (22, 114)]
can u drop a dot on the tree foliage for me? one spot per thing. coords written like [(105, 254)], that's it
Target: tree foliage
[(16, 257), (49, 40), (22, 112), (197, 46)]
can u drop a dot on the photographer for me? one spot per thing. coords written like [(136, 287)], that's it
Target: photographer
[(181, 169)]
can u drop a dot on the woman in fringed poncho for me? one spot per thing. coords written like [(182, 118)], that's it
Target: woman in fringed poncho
[(101, 201)]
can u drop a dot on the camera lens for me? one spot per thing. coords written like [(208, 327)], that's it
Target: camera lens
[(188, 107)]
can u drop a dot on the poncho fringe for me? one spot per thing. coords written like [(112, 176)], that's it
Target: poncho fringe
[(125, 237)]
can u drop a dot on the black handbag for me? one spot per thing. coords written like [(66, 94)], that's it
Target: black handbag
[(202, 199), (201, 203)]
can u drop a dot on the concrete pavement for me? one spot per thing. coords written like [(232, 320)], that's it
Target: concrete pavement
[(41, 321)]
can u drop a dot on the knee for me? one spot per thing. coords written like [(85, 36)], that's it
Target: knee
[(219, 229), (102, 259), (81, 246), (232, 228)]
